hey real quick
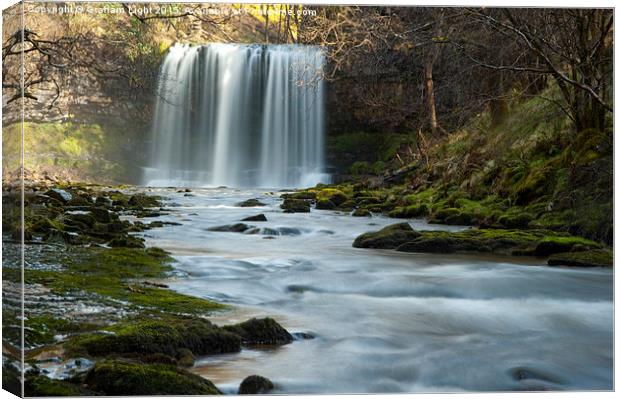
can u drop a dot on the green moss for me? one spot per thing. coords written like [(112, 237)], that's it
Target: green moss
[(596, 258), (167, 336), (126, 378), (519, 242), (110, 272), (41, 329), (37, 386), (361, 212), (388, 237), (261, 332), (334, 195)]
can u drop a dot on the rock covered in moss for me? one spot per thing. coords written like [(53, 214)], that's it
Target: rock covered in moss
[(143, 201), (389, 237), (60, 195), (40, 385), (261, 332), (127, 241), (255, 384), (119, 377), (361, 212), (336, 196), (516, 242), (295, 205), (169, 337), (593, 258), (325, 204), (554, 245), (252, 202)]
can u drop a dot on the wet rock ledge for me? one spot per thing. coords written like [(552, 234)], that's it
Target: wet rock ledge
[(97, 298), (561, 249)]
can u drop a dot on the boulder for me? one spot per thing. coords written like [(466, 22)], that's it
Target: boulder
[(325, 204), (59, 195), (389, 237), (119, 377), (143, 201), (255, 384), (442, 245), (256, 218), (127, 241), (261, 332), (250, 203), (361, 212), (291, 205), (231, 228), (594, 258)]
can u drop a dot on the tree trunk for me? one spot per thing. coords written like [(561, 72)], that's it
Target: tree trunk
[(430, 96)]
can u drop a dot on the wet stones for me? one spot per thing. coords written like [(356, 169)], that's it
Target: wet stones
[(231, 228), (127, 241), (252, 202), (261, 332), (62, 196), (325, 204), (291, 205), (361, 212), (143, 201), (256, 218), (254, 385)]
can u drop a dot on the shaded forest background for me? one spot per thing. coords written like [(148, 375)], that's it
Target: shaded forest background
[(514, 104)]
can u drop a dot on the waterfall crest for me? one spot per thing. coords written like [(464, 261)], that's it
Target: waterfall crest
[(238, 115)]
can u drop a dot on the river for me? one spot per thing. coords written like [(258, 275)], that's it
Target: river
[(385, 321)]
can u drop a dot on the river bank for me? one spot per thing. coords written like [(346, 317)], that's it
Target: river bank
[(377, 316)]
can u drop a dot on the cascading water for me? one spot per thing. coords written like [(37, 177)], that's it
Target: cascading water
[(239, 115)]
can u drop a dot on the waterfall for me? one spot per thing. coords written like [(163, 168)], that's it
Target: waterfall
[(238, 115)]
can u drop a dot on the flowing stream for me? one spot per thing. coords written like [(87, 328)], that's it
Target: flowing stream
[(385, 321), (239, 115)]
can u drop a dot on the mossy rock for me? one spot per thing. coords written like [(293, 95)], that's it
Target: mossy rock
[(334, 195), (59, 195), (40, 385), (102, 215), (252, 202), (460, 219), (389, 237), (291, 205), (169, 337), (593, 258), (304, 195), (143, 201), (445, 213), (515, 221), (553, 245), (517, 242), (80, 200), (325, 204), (443, 245), (261, 332), (127, 241), (117, 377), (254, 385), (361, 212), (80, 219)]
